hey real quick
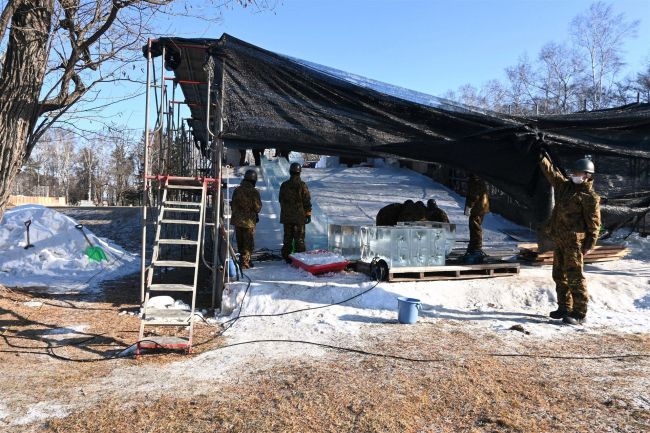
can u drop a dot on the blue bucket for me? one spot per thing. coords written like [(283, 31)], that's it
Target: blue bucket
[(232, 270), (408, 309)]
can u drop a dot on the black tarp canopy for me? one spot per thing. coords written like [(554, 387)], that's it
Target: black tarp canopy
[(272, 100)]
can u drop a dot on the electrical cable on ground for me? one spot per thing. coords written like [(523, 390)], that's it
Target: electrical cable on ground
[(230, 323)]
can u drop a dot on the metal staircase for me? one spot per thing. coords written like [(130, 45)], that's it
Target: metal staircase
[(176, 209)]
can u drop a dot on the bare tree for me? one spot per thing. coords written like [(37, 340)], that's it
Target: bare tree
[(56, 53), (523, 87), (560, 71), (600, 34)]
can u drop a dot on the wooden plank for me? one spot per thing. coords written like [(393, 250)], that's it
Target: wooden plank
[(440, 273)]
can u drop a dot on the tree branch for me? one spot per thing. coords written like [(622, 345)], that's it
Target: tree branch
[(5, 17)]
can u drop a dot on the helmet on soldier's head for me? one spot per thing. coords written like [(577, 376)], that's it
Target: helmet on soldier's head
[(251, 176), (295, 168), (584, 164), (431, 203)]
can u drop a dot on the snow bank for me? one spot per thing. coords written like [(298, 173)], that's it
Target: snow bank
[(57, 260)]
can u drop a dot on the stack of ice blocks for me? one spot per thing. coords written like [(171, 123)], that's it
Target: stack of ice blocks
[(449, 231), (344, 240), (404, 246)]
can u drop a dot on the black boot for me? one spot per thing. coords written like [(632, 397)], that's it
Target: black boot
[(574, 319), (560, 313)]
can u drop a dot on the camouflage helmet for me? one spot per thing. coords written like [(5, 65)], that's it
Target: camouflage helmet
[(584, 164), (251, 176), (295, 168)]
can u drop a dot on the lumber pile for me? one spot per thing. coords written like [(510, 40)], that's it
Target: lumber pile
[(602, 253)]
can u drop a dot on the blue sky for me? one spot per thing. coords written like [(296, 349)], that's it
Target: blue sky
[(427, 45)]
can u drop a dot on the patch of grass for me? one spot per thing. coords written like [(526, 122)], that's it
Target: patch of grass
[(349, 393)]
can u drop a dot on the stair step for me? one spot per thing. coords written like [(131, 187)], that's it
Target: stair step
[(183, 203), (178, 242), (178, 209), (166, 317), (184, 187), (174, 264), (171, 288), (164, 342), (188, 222)]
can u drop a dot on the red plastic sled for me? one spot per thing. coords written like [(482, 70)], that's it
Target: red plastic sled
[(319, 269)]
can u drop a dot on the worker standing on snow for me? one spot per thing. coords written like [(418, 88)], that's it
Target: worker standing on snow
[(574, 227), (477, 205), (246, 205), (434, 213), (295, 211)]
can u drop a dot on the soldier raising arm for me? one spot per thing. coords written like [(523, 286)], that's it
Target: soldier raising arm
[(574, 227)]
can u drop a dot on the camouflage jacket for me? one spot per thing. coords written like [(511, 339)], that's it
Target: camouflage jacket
[(388, 215), (577, 207), (295, 201), (477, 197), (245, 205), (436, 214), (413, 212)]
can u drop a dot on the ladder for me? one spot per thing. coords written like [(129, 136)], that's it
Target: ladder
[(180, 320)]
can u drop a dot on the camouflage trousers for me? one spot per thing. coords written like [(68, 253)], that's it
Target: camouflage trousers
[(245, 245), (475, 231), (570, 283), (293, 233)]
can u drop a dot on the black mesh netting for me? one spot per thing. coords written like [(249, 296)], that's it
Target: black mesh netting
[(271, 100)]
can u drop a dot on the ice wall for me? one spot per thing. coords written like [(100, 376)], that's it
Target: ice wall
[(276, 171)]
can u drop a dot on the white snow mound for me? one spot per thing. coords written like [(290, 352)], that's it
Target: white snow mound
[(58, 259)]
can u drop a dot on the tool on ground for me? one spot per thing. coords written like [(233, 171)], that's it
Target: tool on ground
[(93, 252), (29, 244)]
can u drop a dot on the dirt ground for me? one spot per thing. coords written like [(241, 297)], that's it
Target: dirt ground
[(460, 378)]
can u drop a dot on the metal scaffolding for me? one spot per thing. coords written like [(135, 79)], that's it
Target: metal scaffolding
[(177, 160)]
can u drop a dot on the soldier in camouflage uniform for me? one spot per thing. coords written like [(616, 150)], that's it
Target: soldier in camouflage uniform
[(477, 205), (413, 211), (387, 215), (246, 206), (574, 227), (295, 211), (434, 213)]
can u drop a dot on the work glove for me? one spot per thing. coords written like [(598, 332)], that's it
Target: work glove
[(466, 210), (543, 153), (308, 218)]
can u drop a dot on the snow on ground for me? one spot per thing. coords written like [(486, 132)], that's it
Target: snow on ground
[(619, 291), (57, 260), (355, 195), (619, 301)]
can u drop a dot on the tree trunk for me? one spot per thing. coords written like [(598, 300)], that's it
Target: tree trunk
[(20, 86)]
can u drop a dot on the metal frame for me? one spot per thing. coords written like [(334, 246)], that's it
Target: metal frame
[(177, 157)]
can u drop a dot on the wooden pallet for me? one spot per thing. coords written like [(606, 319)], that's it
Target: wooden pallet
[(449, 272), (601, 253)]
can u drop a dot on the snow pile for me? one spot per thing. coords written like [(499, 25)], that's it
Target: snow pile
[(318, 257), (167, 302), (57, 259)]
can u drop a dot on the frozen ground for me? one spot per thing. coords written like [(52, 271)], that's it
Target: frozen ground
[(57, 260), (619, 299)]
